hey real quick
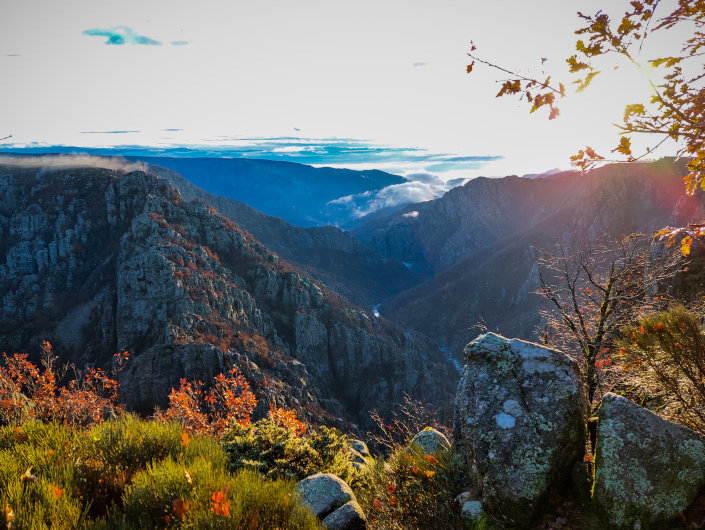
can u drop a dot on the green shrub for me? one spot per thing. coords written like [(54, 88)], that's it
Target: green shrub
[(663, 359), (169, 494), (38, 463), (277, 451), (413, 490)]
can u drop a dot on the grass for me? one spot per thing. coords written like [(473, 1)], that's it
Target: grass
[(128, 473)]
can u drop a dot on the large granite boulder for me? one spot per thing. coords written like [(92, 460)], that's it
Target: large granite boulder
[(332, 500), (431, 441), (647, 469), (520, 420)]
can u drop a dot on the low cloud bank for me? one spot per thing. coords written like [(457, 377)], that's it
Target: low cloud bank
[(421, 187), (73, 161)]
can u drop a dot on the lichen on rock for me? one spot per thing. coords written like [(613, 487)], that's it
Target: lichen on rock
[(520, 413), (647, 469)]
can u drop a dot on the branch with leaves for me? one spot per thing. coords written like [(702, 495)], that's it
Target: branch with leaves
[(677, 107)]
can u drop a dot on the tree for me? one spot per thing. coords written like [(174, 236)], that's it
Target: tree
[(677, 107), (594, 290)]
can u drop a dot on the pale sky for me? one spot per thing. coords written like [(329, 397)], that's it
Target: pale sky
[(305, 75)]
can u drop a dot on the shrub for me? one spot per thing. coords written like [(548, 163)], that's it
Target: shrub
[(229, 400), (664, 355), (413, 490), (200, 495), (28, 393), (38, 463), (276, 450)]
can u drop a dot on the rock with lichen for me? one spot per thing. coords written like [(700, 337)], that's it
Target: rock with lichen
[(431, 441), (647, 469), (332, 500), (520, 422)]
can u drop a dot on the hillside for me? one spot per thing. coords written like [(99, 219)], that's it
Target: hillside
[(329, 254), (98, 261), (297, 193), (482, 240)]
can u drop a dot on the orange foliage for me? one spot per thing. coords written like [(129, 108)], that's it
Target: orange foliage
[(218, 503), (26, 392), (287, 418), (230, 399)]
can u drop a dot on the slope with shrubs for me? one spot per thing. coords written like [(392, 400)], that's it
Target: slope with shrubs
[(98, 261)]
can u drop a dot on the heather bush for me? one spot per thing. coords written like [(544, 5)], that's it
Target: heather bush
[(276, 450), (170, 494), (413, 490), (663, 358), (38, 465)]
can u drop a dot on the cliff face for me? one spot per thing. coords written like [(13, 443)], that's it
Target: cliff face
[(435, 235), (333, 256), (99, 261), (487, 256)]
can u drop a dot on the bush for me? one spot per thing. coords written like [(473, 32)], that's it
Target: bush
[(128, 473), (229, 400), (664, 355), (278, 451), (169, 494), (26, 392), (38, 463), (413, 490)]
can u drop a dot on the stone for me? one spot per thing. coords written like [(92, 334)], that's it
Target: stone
[(324, 493), (431, 441), (647, 469), (472, 511), (348, 517), (520, 423), (360, 447)]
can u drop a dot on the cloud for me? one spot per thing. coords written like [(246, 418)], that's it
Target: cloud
[(119, 35), (73, 161), (108, 132), (179, 42), (407, 192), (412, 214), (349, 153), (421, 64), (428, 178)]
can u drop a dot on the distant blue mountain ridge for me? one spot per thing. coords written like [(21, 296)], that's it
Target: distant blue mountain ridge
[(298, 193)]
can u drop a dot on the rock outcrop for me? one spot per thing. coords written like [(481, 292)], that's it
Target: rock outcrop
[(332, 501), (431, 441), (647, 469), (520, 421), (98, 260)]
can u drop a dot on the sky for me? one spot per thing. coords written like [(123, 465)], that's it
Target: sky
[(368, 84)]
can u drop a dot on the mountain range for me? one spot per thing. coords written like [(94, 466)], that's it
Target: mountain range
[(98, 261), (190, 282)]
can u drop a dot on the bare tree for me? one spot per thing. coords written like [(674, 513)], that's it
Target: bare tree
[(595, 289)]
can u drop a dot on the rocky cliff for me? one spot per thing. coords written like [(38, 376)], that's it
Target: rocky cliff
[(99, 260), (329, 254), (482, 240)]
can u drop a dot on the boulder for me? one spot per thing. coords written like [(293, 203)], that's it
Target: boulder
[(360, 447), (472, 511), (348, 517), (332, 501), (647, 469), (431, 441), (520, 422)]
